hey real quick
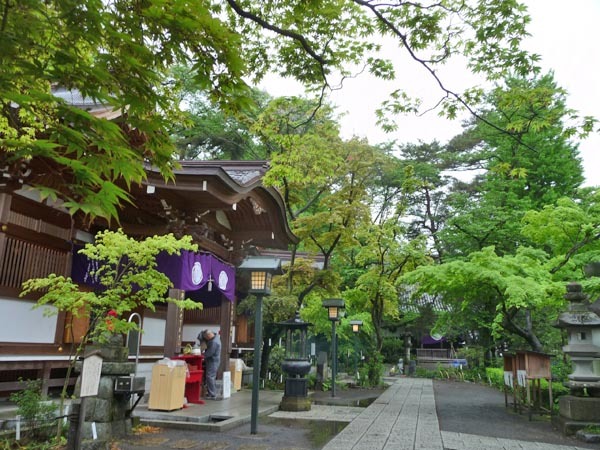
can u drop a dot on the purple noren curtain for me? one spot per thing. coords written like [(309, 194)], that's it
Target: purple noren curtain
[(191, 271), (188, 271)]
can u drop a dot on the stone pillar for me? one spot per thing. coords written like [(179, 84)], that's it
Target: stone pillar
[(321, 369), (107, 412)]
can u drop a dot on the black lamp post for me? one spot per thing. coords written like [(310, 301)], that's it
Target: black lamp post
[(261, 270), (333, 305), (355, 324)]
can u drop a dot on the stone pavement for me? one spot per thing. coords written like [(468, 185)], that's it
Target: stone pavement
[(329, 413), (459, 441), (404, 418)]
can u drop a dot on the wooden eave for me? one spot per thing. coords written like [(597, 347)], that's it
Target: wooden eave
[(205, 192)]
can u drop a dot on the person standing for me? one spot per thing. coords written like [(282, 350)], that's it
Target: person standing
[(212, 358)]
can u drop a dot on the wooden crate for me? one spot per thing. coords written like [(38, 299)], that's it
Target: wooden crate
[(167, 387)]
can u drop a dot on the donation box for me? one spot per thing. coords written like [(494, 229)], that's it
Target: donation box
[(167, 387)]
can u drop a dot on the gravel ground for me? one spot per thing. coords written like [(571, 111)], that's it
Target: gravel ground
[(479, 409)]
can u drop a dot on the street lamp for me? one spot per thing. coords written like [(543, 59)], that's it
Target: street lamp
[(333, 305), (262, 269), (355, 324)]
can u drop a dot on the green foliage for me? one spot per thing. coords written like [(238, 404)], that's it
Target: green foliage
[(561, 369), (276, 376), (371, 372), (212, 131), (475, 375), (122, 55), (422, 372), (568, 231), (498, 292), (392, 350), (129, 279), (311, 380), (114, 54), (592, 429), (495, 377), (37, 413), (531, 166), (474, 354)]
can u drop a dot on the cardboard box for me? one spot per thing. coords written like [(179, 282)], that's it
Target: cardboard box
[(167, 387), (236, 375)]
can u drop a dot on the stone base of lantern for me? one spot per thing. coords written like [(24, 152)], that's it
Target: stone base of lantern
[(296, 387), (576, 413), (295, 404), (295, 397)]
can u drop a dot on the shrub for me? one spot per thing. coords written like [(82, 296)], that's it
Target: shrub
[(561, 369), (276, 375), (421, 372), (392, 349), (474, 355), (37, 414), (495, 377), (371, 372)]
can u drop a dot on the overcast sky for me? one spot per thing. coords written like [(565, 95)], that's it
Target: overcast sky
[(565, 34)]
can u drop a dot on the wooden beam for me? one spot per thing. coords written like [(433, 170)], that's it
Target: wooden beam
[(225, 326), (173, 329), (5, 200)]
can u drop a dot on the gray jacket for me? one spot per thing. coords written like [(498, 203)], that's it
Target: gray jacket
[(212, 354)]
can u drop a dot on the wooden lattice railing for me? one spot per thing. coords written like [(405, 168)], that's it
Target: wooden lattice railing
[(434, 353), (23, 260)]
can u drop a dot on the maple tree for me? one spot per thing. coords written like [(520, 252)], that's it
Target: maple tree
[(119, 54)]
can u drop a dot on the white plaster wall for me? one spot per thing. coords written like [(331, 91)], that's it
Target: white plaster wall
[(153, 331), (19, 322), (190, 331)]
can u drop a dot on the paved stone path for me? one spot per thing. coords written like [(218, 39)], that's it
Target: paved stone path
[(404, 418), (460, 441), (322, 412)]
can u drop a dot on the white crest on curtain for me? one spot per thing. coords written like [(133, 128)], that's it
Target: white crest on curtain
[(197, 275), (223, 280)]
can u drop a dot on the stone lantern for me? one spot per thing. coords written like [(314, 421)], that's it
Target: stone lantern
[(296, 365), (583, 327)]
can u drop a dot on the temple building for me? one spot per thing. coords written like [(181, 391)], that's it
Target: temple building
[(222, 205)]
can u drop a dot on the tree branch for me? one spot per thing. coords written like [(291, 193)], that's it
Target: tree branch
[(6, 7), (426, 65), (573, 250), (291, 34)]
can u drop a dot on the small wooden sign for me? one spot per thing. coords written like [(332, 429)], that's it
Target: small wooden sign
[(90, 375)]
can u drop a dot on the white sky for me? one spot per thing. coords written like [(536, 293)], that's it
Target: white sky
[(565, 34)]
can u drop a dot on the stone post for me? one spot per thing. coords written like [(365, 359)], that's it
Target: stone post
[(108, 413)]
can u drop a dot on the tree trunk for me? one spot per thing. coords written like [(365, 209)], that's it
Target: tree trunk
[(525, 332), (264, 358)]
